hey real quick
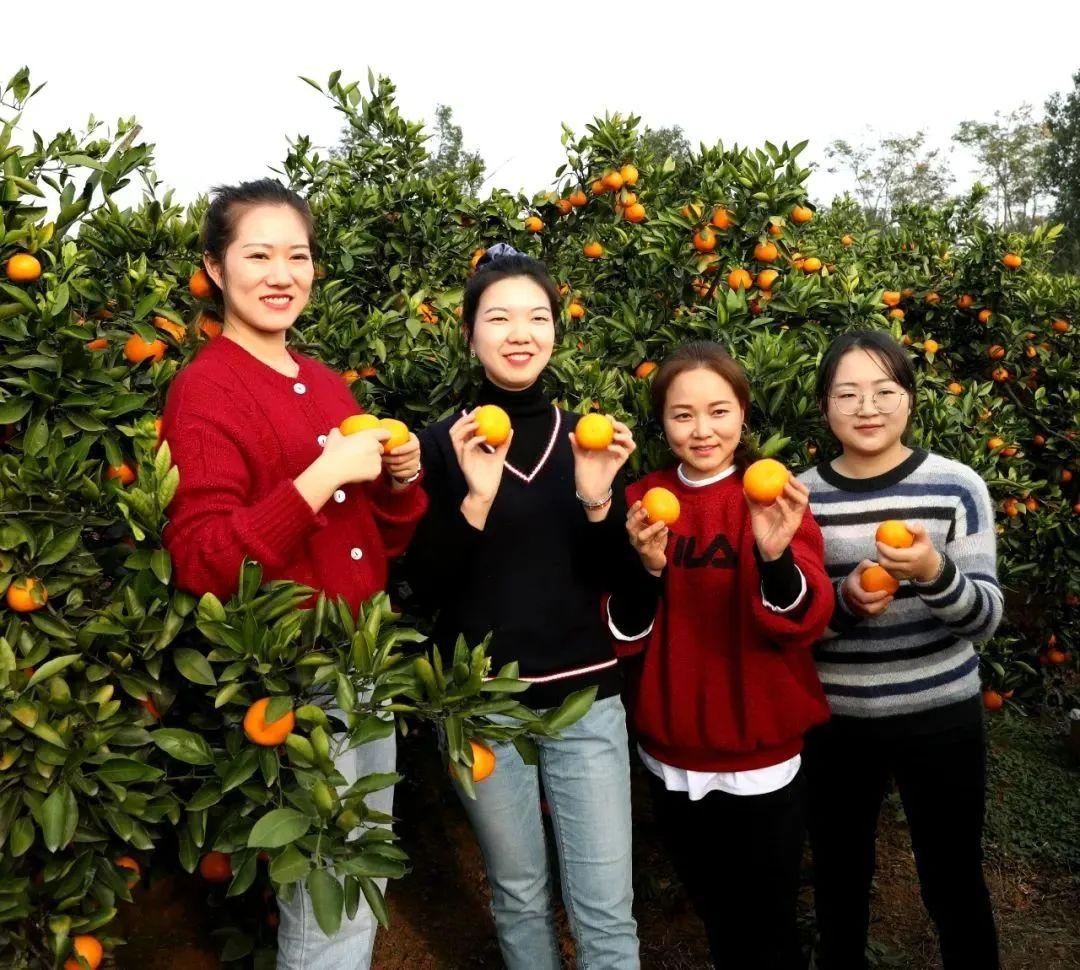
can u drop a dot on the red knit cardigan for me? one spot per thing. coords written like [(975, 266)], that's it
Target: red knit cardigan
[(240, 432)]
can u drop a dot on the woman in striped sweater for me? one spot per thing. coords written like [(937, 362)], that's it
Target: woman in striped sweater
[(899, 668)]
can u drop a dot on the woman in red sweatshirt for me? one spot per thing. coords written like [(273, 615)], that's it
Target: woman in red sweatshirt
[(266, 475), (723, 612)]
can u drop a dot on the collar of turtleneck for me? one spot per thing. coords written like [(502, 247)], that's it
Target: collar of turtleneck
[(532, 401)]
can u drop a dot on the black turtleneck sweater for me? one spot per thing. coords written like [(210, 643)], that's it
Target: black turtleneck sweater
[(534, 576)]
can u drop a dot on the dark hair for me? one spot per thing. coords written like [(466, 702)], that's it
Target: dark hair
[(229, 202), (885, 350), (704, 355), (501, 263)]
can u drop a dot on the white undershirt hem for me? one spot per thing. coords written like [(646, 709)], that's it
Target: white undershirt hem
[(698, 784)]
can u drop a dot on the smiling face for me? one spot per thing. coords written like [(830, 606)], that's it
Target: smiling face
[(513, 332), (868, 432), (703, 422), (267, 270)]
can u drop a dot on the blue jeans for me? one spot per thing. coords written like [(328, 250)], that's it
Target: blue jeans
[(586, 776), (302, 945)]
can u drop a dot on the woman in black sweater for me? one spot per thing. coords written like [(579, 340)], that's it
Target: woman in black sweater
[(520, 541)]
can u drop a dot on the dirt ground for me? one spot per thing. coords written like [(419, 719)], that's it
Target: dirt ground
[(440, 919)]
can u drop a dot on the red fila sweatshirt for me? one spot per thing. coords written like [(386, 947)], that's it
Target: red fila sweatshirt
[(724, 683)]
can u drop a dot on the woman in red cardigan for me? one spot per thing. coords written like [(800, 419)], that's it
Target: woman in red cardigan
[(723, 611), (266, 475)]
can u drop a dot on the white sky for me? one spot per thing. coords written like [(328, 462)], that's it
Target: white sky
[(215, 84)]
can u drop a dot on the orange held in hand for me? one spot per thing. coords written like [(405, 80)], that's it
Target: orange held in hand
[(216, 867), (358, 422), (661, 505), (594, 432), (399, 433), (20, 595), (764, 480), (493, 423), (894, 533), (263, 734), (876, 578), (89, 949)]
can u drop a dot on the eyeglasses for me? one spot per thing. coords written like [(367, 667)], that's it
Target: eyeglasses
[(885, 401)]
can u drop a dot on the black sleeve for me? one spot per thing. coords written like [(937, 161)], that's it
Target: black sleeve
[(842, 619), (632, 606), (781, 581), (444, 539)]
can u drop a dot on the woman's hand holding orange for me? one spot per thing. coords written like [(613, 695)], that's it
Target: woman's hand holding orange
[(774, 525), (481, 464), (403, 462), (595, 469), (649, 539), (862, 602), (920, 561)]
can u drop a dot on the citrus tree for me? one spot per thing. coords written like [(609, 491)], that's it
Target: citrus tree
[(134, 717)]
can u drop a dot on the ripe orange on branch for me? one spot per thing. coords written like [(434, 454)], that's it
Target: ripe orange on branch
[(722, 218), (27, 595), (483, 760), (801, 214), (1011, 261), (199, 285), (593, 249), (216, 867), (23, 268), (267, 735), (87, 947), (740, 279), (765, 252), (704, 240), (644, 369)]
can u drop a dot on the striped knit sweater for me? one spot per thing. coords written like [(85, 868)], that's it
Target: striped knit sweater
[(917, 658)]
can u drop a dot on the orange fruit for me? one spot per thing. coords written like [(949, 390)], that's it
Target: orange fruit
[(765, 252), (1060, 326), (534, 224), (612, 180), (644, 369), (629, 174), (894, 533), (764, 480), (209, 326), (1000, 375), (594, 432), (493, 423), (1009, 451), (992, 700), (350, 376), (99, 343), (477, 255), (1011, 261), (721, 218), (890, 298), (175, 330), (811, 264), (593, 250), (23, 268), (564, 206), (931, 346), (995, 443), (801, 214), (427, 314), (1039, 441), (577, 311), (483, 763), (216, 866), (846, 240), (704, 240), (399, 433), (896, 313), (26, 595), (775, 230), (985, 314), (933, 297), (151, 708), (199, 285), (965, 300), (123, 473), (955, 388), (739, 279), (1056, 655), (598, 187), (358, 422), (89, 949), (995, 352), (634, 213), (766, 278), (267, 735), (578, 199), (877, 577), (136, 350), (366, 373), (661, 505), (126, 862), (691, 211)]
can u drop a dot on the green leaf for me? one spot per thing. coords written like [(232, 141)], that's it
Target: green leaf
[(290, 866), (194, 666), (375, 899), (161, 565), (59, 817), (122, 771), (572, 709), (183, 746), (52, 667), (59, 546), (327, 899), (278, 828)]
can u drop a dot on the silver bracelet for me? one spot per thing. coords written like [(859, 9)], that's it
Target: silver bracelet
[(409, 481), (593, 503)]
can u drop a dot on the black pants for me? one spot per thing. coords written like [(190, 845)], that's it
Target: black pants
[(739, 857), (942, 783)]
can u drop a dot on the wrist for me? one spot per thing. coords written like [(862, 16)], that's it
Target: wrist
[(934, 569)]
